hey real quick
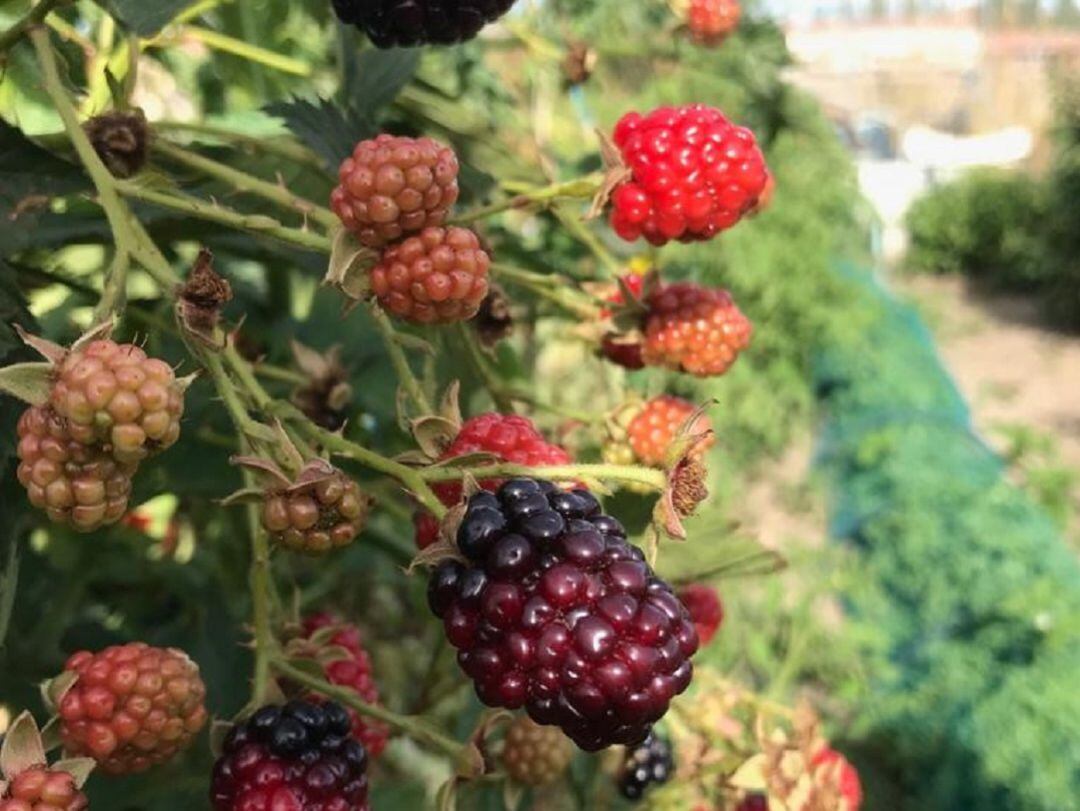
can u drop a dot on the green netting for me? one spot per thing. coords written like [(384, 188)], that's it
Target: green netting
[(976, 694)]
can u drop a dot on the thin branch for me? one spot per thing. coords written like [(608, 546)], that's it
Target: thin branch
[(405, 374)]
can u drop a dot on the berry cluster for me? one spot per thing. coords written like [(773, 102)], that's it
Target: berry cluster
[(110, 406), (322, 511), (705, 609), (555, 611), (509, 437), (693, 174), (42, 789), (396, 23), (395, 193), (651, 763), (299, 757), (131, 706), (712, 21), (354, 671), (535, 755)]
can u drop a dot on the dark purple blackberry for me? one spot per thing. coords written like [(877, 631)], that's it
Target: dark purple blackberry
[(402, 23), (300, 757), (650, 763), (555, 611)]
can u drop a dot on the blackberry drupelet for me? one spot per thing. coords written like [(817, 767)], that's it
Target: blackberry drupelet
[(650, 764)]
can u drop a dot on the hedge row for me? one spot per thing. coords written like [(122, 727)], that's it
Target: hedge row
[(976, 596)]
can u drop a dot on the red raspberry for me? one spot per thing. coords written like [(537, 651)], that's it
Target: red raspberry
[(395, 186), (706, 610), (353, 672), (555, 611), (713, 21), (437, 277), (830, 761), (654, 428), (510, 437), (534, 755), (113, 394), (132, 706), (299, 757), (75, 484), (694, 329), (766, 198), (318, 515), (694, 174), (42, 789)]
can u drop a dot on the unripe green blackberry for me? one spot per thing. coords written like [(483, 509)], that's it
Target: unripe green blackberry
[(114, 395), (392, 186), (323, 510), (75, 484), (535, 755)]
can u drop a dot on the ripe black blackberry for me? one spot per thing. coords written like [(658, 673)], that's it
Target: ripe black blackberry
[(300, 757), (648, 764), (555, 611), (393, 23)]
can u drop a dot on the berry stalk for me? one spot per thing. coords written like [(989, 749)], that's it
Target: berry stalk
[(551, 287), (628, 474), (582, 188), (415, 728), (406, 377)]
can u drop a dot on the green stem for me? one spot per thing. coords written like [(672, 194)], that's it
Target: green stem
[(280, 375), (650, 477), (555, 289), (271, 145), (416, 728), (252, 223), (236, 47), (399, 360), (34, 17), (577, 227), (483, 369), (244, 182), (582, 188)]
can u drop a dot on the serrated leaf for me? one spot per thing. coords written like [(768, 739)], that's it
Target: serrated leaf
[(330, 131), (375, 77), (78, 767), (22, 747), (28, 171), (144, 18)]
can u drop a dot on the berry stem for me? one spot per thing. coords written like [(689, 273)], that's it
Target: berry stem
[(415, 728), (279, 147), (650, 477), (234, 46), (551, 287), (244, 182), (582, 188), (499, 393), (404, 371), (34, 17), (257, 224), (590, 240)]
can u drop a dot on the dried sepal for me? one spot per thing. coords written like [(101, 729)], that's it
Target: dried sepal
[(53, 690), (79, 768), (616, 173), (348, 268), (29, 382), (219, 731), (327, 393), (200, 301), (22, 748)]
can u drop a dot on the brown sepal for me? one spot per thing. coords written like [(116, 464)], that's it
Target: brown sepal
[(201, 299)]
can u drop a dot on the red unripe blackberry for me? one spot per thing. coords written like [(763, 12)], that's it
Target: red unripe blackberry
[(634, 282), (317, 516), (555, 611), (712, 21), (534, 755), (510, 437), (299, 757), (354, 672), (75, 484), (693, 174), (625, 352), (694, 329), (397, 23), (114, 395), (651, 763), (653, 429), (42, 789), (393, 186), (439, 276), (706, 610), (131, 706), (848, 782)]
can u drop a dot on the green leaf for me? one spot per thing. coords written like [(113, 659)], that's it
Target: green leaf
[(375, 77), (146, 18), (323, 126), (28, 171)]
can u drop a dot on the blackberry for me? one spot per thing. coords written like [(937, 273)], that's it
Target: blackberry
[(651, 763), (300, 757), (555, 611), (396, 23)]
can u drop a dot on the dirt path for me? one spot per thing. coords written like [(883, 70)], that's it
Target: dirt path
[(1021, 380)]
